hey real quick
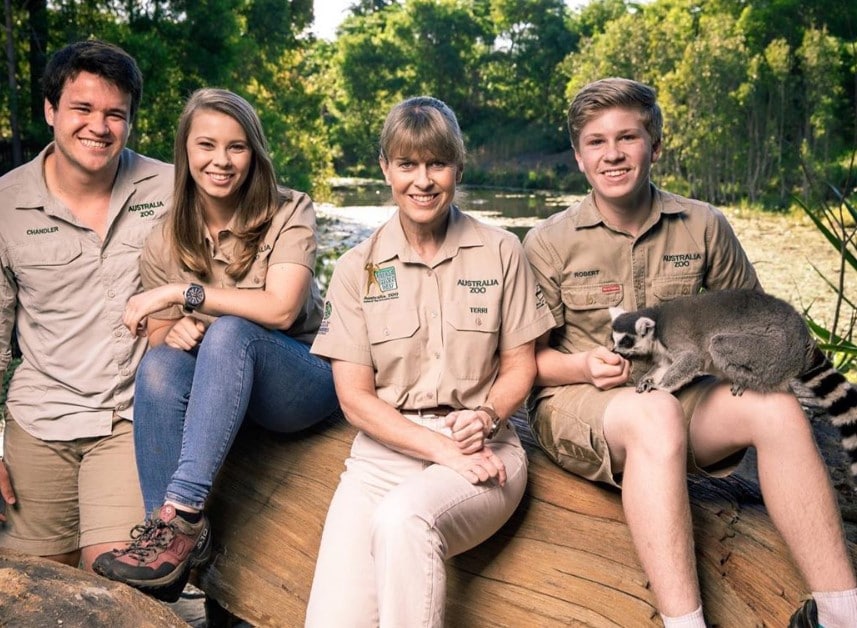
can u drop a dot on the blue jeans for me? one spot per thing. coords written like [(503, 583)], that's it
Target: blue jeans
[(189, 405)]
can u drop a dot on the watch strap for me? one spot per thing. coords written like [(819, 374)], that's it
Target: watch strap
[(496, 423)]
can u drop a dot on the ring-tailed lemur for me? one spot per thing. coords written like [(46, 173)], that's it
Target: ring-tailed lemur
[(753, 340)]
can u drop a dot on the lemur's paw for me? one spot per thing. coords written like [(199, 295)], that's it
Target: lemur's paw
[(646, 384)]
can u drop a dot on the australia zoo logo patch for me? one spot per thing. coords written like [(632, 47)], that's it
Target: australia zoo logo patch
[(381, 283)]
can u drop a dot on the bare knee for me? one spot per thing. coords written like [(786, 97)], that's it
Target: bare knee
[(772, 417), (650, 425)]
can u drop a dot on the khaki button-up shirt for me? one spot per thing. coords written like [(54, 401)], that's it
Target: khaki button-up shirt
[(432, 332), (291, 238), (584, 266), (66, 290)]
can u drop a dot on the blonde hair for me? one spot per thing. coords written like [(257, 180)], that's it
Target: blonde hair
[(424, 126), (258, 199), (615, 92)]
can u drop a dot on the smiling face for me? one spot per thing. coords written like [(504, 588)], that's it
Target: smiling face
[(219, 158), (91, 125), (615, 152), (423, 189)]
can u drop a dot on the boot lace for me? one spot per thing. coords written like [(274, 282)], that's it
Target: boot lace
[(148, 539)]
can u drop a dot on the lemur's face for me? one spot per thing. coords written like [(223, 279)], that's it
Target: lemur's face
[(633, 334)]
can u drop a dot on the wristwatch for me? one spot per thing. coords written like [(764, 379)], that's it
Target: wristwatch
[(495, 421), (194, 296)]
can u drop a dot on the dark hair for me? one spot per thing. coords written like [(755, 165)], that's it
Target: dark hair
[(615, 92), (259, 197), (423, 125), (109, 62)]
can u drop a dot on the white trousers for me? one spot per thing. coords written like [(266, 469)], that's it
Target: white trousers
[(392, 523)]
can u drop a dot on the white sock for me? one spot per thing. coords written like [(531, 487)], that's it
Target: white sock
[(836, 609), (691, 620)]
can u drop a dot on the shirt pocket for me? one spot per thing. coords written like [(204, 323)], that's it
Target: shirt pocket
[(394, 345), (46, 274), (587, 314), (674, 286), (472, 339), (258, 273)]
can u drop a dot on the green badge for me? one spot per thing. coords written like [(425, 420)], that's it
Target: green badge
[(386, 278)]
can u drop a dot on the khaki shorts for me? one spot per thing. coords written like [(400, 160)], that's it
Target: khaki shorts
[(569, 427), (70, 494)]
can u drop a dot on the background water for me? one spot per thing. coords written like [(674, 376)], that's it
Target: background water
[(517, 210)]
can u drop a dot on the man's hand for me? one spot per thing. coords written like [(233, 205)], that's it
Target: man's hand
[(605, 369)]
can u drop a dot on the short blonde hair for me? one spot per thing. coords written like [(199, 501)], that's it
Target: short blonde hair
[(423, 126)]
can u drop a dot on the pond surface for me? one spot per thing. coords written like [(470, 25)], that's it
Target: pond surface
[(517, 210)]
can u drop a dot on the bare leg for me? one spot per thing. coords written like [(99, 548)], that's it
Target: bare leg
[(793, 478), (647, 435)]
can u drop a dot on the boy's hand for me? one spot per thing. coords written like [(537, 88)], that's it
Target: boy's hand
[(605, 369)]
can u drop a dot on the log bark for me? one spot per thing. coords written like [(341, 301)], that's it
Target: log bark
[(564, 559), (39, 592)]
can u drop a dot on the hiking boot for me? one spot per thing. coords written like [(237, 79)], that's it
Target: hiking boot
[(806, 616), (163, 550)]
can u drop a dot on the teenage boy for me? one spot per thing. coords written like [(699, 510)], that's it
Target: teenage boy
[(633, 245), (74, 221)]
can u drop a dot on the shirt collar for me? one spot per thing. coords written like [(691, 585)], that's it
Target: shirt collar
[(390, 240), (662, 203)]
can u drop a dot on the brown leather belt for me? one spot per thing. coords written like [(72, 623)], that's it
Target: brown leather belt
[(437, 411)]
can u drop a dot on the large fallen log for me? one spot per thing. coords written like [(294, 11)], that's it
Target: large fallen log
[(37, 593), (565, 558)]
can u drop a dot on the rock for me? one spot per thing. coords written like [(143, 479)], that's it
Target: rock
[(39, 593)]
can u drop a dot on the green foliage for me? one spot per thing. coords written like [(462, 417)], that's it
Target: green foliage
[(750, 90), (4, 387), (837, 222)]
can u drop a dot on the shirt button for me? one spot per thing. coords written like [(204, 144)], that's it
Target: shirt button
[(125, 372), (430, 395), (255, 280), (436, 355), (434, 314), (386, 332), (103, 256), (428, 273), (479, 322), (111, 293), (118, 333)]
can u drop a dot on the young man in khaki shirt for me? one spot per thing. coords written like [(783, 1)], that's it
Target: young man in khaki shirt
[(630, 244), (74, 222)]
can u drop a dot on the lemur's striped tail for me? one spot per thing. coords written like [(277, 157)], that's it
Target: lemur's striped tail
[(838, 397)]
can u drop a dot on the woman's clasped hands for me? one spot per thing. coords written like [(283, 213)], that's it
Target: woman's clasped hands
[(476, 461)]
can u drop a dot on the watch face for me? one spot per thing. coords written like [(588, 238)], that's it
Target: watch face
[(194, 295)]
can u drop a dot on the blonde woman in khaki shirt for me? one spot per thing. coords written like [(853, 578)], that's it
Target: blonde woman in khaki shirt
[(230, 308), (430, 325)]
